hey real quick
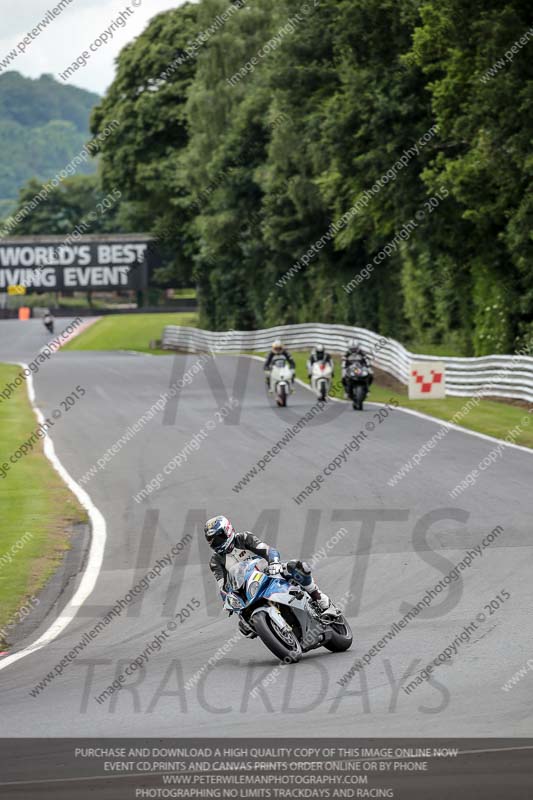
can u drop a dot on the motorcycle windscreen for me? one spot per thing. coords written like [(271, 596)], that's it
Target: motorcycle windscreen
[(238, 572), (357, 368)]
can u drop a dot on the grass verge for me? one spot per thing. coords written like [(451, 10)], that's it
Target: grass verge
[(37, 510), (489, 417), (129, 331), (134, 332)]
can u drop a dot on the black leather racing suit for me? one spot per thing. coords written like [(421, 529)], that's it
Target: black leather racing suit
[(355, 355), (246, 545), (273, 355), (313, 359)]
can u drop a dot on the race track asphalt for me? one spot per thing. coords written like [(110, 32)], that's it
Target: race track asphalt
[(399, 541)]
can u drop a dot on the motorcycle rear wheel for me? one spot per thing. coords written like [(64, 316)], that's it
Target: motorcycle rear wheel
[(271, 637)]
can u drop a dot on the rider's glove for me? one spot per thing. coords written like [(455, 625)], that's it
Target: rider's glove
[(223, 595), (274, 568)]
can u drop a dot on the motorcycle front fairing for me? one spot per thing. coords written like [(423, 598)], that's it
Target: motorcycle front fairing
[(281, 372), (266, 593), (249, 579), (321, 371)]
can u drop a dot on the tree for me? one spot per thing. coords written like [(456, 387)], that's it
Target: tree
[(76, 206), (288, 151), (148, 98)]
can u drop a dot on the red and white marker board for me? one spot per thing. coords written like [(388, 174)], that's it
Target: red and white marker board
[(427, 380)]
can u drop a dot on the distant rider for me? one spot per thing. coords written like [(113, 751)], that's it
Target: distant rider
[(355, 353), (231, 547), (48, 322), (277, 350), (319, 355)]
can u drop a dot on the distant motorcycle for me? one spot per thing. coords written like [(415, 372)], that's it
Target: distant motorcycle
[(282, 614), (357, 383), (321, 377), (281, 378), (49, 324)]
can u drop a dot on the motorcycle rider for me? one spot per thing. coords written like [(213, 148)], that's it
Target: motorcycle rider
[(355, 353), (48, 322), (231, 547), (317, 355), (277, 350)]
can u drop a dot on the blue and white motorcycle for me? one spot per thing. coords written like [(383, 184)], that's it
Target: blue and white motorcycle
[(282, 614)]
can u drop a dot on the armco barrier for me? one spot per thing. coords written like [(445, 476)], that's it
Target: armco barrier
[(500, 376)]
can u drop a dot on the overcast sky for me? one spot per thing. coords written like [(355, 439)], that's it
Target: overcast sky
[(70, 34)]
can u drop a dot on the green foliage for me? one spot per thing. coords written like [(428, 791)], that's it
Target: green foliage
[(240, 171), (76, 205), (43, 125), (148, 98)]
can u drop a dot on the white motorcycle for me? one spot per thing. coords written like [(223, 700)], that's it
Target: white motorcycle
[(281, 378), (321, 377)]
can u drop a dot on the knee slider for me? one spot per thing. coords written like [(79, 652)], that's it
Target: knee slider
[(299, 566), (300, 571)]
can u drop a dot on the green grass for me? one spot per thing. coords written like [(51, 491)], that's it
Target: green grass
[(129, 331), (35, 504), (489, 417)]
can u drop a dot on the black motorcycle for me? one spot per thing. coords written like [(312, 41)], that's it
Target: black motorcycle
[(357, 383), (49, 325)]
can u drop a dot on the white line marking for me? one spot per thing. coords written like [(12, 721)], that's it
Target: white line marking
[(77, 779), (85, 778), (496, 750), (96, 551), (436, 420), (98, 539), (454, 427), (133, 353)]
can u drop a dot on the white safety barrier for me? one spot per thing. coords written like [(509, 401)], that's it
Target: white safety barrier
[(500, 376)]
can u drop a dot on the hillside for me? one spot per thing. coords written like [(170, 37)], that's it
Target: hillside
[(43, 124)]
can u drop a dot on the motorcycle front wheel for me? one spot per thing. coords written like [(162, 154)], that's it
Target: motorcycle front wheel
[(358, 398), (282, 397), (283, 644), (341, 636)]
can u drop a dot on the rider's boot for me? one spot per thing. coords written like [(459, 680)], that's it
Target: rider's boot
[(327, 607), (300, 571)]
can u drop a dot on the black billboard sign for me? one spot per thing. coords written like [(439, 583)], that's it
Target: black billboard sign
[(97, 263)]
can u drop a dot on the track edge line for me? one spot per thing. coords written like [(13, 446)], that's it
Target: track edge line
[(96, 548)]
